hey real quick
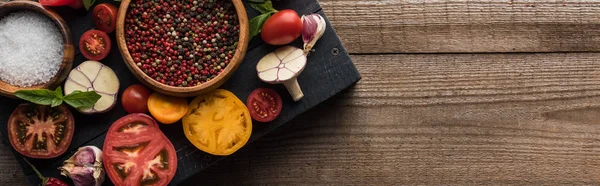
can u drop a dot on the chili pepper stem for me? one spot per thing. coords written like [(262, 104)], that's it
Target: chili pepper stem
[(44, 179), (294, 88)]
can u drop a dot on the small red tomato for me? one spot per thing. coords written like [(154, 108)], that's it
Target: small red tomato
[(75, 4), (135, 99), (282, 28), (94, 45), (105, 17), (264, 104)]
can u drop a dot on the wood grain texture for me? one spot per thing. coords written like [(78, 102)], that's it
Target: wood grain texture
[(476, 119), (439, 26), (442, 119), (10, 171)]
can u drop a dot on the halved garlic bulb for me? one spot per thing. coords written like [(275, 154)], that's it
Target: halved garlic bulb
[(282, 67)]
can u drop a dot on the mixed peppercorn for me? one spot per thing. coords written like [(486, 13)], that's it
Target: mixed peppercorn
[(182, 43)]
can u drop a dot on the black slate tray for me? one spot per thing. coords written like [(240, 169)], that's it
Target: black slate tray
[(328, 72)]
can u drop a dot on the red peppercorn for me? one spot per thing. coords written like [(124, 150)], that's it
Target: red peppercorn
[(170, 39)]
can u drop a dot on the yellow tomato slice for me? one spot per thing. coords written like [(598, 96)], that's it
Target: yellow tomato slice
[(167, 109), (218, 123)]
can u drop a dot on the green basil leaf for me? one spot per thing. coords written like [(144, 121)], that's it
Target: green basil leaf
[(80, 99), (56, 102), (40, 96), (58, 92), (88, 4), (256, 1), (264, 8), (256, 24)]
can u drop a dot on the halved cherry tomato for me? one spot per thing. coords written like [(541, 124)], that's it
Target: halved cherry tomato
[(75, 4), (167, 109), (38, 131), (217, 123), (105, 17), (94, 45), (264, 104), (282, 28), (136, 152)]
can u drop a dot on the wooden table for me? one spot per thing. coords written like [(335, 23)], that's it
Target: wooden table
[(472, 92)]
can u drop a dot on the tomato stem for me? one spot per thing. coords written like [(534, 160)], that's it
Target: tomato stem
[(44, 179)]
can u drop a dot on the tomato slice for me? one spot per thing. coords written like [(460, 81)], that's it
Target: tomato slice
[(167, 109), (264, 104), (217, 123), (38, 131), (105, 17), (136, 152), (94, 45)]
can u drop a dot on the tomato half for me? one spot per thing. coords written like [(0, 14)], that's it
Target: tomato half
[(217, 123), (167, 109), (282, 28), (75, 4), (94, 45), (135, 99), (38, 131), (105, 17), (264, 104), (136, 152)]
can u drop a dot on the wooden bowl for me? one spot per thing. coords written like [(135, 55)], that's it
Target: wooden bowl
[(69, 51), (185, 91)]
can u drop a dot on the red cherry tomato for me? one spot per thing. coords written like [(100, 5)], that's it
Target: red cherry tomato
[(75, 4), (264, 104), (136, 152), (94, 45), (105, 17), (282, 28), (135, 99)]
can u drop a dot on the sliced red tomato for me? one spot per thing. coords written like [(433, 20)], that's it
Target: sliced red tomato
[(264, 104), (42, 132), (94, 45), (105, 17), (136, 152), (75, 4)]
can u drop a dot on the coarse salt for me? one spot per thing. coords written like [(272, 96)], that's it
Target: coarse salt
[(31, 49)]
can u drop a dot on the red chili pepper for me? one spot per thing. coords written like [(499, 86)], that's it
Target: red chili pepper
[(55, 182), (47, 181)]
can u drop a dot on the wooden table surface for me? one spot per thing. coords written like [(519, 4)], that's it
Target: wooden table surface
[(469, 92)]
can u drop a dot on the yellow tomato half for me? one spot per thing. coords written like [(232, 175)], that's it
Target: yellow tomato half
[(218, 123), (167, 109)]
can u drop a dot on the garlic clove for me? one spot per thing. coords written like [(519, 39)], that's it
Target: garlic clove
[(85, 167), (314, 28), (82, 176), (269, 75), (266, 66), (285, 73)]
